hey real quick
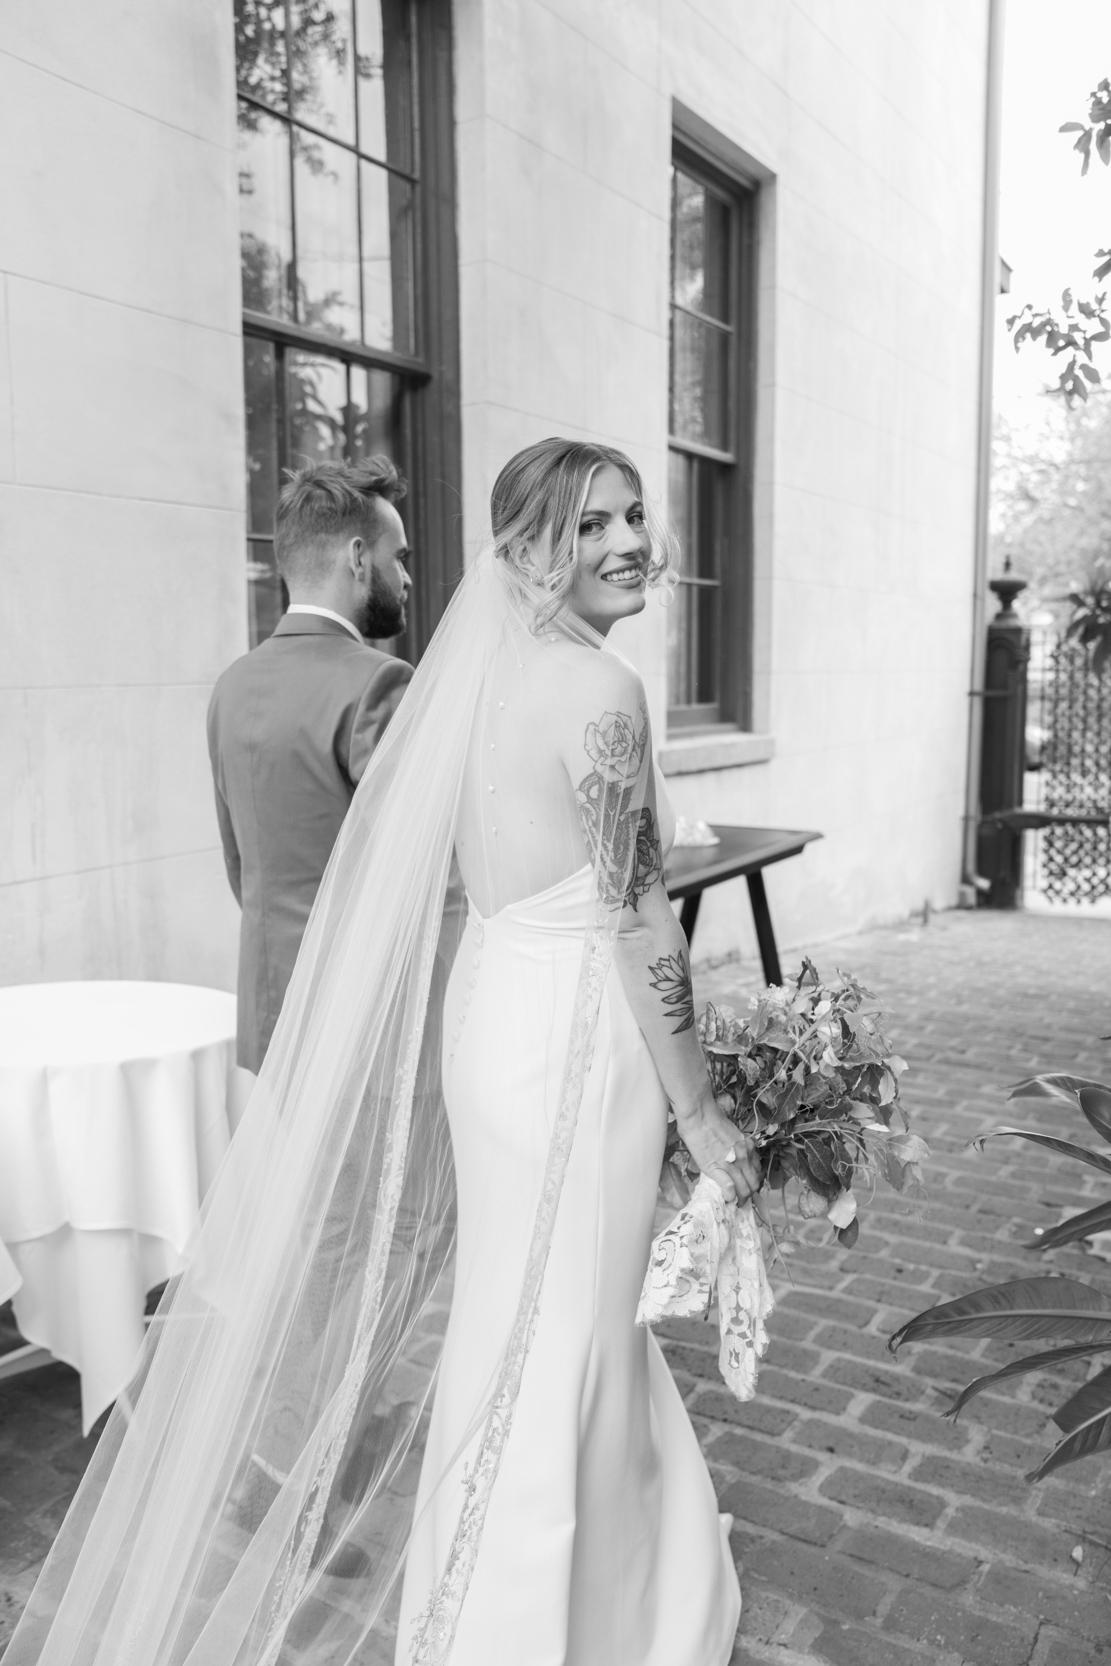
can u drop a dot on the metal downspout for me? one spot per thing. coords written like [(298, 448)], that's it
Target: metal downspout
[(989, 292)]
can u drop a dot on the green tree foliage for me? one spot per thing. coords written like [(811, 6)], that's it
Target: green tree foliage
[(1079, 325), (1051, 492)]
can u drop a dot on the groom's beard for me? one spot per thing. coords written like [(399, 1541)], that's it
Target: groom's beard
[(382, 614)]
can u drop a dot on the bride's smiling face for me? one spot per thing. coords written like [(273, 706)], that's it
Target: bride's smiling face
[(612, 551)]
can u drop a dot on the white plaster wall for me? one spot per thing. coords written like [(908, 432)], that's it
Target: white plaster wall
[(871, 117), (121, 485)]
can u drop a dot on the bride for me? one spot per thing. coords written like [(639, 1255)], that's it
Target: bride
[(396, 1410)]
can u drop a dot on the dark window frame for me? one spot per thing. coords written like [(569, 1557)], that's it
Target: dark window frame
[(431, 441), (696, 154)]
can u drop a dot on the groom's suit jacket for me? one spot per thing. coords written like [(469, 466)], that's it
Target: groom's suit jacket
[(291, 728)]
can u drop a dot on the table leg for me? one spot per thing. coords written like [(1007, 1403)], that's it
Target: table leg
[(689, 914), (762, 920)]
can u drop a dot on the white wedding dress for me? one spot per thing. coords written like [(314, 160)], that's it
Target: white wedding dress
[(602, 1545), (252, 1497)]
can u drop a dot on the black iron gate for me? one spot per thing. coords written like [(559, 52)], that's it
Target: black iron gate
[(1069, 747)]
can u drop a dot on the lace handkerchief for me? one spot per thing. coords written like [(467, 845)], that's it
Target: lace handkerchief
[(713, 1242)]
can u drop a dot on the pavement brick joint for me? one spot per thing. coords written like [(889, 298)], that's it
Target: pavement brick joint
[(869, 1530)]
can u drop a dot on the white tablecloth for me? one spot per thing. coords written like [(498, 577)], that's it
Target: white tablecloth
[(114, 1115)]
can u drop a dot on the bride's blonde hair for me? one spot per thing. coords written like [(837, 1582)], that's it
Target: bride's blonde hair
[(535, 508)]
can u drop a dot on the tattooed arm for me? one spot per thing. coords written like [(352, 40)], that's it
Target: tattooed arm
[(611, 768)]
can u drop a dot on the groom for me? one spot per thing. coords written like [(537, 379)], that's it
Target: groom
[(292, 725)]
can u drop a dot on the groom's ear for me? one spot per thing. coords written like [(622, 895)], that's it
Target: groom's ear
[(358, 557)]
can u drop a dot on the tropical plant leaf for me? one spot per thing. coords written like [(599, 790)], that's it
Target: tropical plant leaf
[(1077, 1226), (1052, 1087), (1065, 1147), (1086, 1420), (1095, 1102), (1019, 1368), (1022, 1311)]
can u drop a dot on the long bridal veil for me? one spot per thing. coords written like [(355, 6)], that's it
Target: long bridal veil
[(251, 1499)]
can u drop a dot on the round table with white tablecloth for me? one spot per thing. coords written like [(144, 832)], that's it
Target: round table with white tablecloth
[(115, 1101)]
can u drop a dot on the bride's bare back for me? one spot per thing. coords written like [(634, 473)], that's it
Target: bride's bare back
[(519, 830)]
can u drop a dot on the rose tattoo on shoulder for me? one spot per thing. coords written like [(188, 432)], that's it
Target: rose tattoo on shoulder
[(614, 747)]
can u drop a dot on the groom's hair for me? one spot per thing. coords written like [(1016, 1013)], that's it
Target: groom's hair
[(324, 504)]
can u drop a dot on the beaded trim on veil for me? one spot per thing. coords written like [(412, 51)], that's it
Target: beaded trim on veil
[(270, 1442)]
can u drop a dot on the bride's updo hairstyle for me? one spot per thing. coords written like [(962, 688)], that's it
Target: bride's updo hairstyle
[(535, 509)]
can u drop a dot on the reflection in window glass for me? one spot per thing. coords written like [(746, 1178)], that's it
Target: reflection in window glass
[(701, 234), (260, 50), (328, 243), (327, 236), (265, 218), (699, 381), (322, 65), (384, 78), (387, 227), (375, 414), (370, 79), (696, 487), (378, 320), (262, 433), (266, 593), (316, 401)]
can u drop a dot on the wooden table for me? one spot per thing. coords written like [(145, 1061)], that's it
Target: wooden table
[(742, 850)]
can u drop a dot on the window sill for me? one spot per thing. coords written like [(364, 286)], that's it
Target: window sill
[(723, 749)]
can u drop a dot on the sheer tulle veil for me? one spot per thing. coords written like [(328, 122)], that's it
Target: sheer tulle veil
[(252, 1496)]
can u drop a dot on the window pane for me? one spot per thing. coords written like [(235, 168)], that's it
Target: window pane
[(322, 65), (316, 395), (259, 368), (692, 649), (324, 187), (266, 594), (387, 217), (697, 489), (699, 382), (700, 252), (374, 415), (265, 221), (384, 69), (260, 50)]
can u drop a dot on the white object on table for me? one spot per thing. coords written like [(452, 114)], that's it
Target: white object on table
[(114, 1116), (688, 832)]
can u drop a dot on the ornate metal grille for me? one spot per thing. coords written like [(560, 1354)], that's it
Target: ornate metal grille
[(1075, 706)]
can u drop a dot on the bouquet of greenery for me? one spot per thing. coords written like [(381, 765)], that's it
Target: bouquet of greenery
[(810, 1078)]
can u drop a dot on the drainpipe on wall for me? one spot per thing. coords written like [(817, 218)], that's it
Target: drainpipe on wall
[(989, 292)]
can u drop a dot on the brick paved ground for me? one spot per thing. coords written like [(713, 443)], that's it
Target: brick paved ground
[(870, 1531)]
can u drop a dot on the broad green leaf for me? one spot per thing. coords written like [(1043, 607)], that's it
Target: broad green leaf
[(1077, 1226), (1095, 1102), (1021, 1311), (1052, 1087), (1092, 1398), (1065, 1147), (1020, 1367), (1086, 1420)]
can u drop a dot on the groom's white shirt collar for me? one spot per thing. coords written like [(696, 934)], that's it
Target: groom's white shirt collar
[(326, 613)]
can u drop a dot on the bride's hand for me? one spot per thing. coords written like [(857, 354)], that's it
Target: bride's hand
[(711, 1137)]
